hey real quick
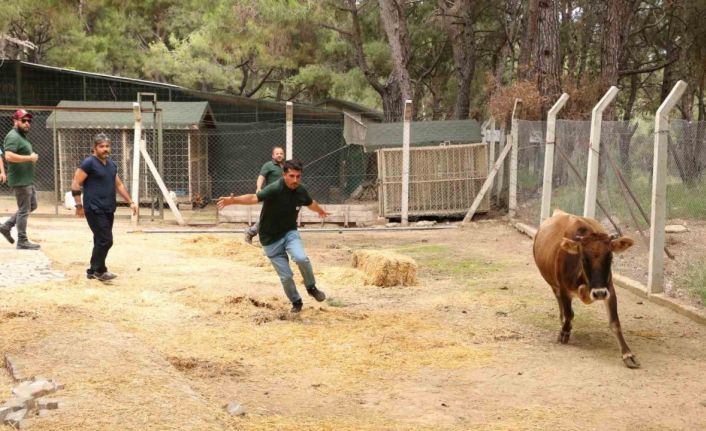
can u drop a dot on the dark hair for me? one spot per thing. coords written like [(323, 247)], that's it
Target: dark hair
[(100, 138), (277, 146), (293, 164)]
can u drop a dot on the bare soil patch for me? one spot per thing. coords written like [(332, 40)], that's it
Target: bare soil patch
[(196, 321)]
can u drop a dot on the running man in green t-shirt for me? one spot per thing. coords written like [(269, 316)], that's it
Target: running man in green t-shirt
[(20, 176), (269, 173), (281, 202)]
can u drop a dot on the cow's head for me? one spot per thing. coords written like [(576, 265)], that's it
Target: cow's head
[(595, 251)]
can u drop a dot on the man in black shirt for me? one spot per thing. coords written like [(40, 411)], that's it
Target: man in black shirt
[(281, 202), (269, 173), (98, 175)]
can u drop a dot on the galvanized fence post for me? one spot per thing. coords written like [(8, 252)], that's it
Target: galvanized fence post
[(405, 161), (549, 157), (589, 204), (512, 198), (655, 272)]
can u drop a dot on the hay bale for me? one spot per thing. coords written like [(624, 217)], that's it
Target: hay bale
[(386, 268)]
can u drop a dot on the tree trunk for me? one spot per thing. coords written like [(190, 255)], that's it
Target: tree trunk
[(549, 56), (458, 23), (528, 46), (395, 24)]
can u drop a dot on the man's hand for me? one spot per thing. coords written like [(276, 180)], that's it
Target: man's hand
[(34, 157), (322, 213), (133, 207), (3, 177), (79, 212), (224, 201)]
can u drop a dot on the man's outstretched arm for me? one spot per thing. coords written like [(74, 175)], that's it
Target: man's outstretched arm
[(224, 201)]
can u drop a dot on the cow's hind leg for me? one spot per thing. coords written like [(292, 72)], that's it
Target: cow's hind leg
[(567, 315), (612, 305)]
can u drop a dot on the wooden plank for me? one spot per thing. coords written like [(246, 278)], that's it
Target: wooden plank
[(160, 183), (488, 182)]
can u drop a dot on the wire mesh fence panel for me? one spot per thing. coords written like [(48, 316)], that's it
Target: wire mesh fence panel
[(570, 165), (530, 169), (328, 176), (685, 275), (625, 190)]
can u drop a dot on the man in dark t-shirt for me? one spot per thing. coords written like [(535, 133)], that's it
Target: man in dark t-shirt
[(281, 202), (98, 175), (269, 173)]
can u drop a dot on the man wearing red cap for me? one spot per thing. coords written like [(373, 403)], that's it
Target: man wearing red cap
[(20, 176)]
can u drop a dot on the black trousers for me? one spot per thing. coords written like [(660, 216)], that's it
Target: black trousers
[(101, 224)]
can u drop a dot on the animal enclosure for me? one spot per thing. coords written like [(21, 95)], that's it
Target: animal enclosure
[(443, 180)]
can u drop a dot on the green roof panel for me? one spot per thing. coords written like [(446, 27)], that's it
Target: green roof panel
[(175, 115), (422, 133)]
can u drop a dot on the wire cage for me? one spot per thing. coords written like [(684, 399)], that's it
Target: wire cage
[(176, 140), (443, 180)]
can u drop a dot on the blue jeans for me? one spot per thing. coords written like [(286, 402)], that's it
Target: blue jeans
[(290, 244)]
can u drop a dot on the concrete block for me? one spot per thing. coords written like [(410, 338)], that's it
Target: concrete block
[(47, 404), (16, 419), (234, 408), (18, 403), (34, 389), (13, 367)]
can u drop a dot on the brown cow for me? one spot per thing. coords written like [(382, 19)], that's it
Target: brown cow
[(574, 255)]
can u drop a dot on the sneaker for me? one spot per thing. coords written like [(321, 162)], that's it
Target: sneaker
[(248, 236), (101, 276), (316, 293), (297, 306), (6, 233), (26, 245)]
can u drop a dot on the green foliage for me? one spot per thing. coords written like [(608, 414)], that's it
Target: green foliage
[(695, 280)]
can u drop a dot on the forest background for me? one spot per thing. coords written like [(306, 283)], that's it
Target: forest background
[(454, 59)]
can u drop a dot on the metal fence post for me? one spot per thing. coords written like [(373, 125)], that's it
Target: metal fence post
[(589, 203), (549, 157), (135, 189), (512, 198), (290, 130), (491, 151), (655, 274), (405, 161)]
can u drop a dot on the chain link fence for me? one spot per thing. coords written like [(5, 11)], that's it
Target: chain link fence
[(624, 185)]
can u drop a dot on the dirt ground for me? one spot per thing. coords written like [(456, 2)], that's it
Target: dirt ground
[(196, 321)]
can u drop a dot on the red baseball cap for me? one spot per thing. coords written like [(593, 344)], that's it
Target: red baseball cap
[(21, 113)]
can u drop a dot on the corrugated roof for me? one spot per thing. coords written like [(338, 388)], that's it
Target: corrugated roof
[(389, 135), (175, 115), (344, 105)]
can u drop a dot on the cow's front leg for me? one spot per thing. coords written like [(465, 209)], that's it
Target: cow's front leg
[(567, 314), (612, 305)]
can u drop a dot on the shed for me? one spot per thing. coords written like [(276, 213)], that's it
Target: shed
[(448, 165), (184, 155)]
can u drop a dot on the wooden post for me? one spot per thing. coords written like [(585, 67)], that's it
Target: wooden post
[(486, 185), (512, 198), (404, 203), (655, 272), (160, 183), (135, 189), (589, 203), (549, 157), (290, 131)]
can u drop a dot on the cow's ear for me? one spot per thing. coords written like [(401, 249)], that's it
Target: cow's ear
[(621, 244), (569, 246)]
